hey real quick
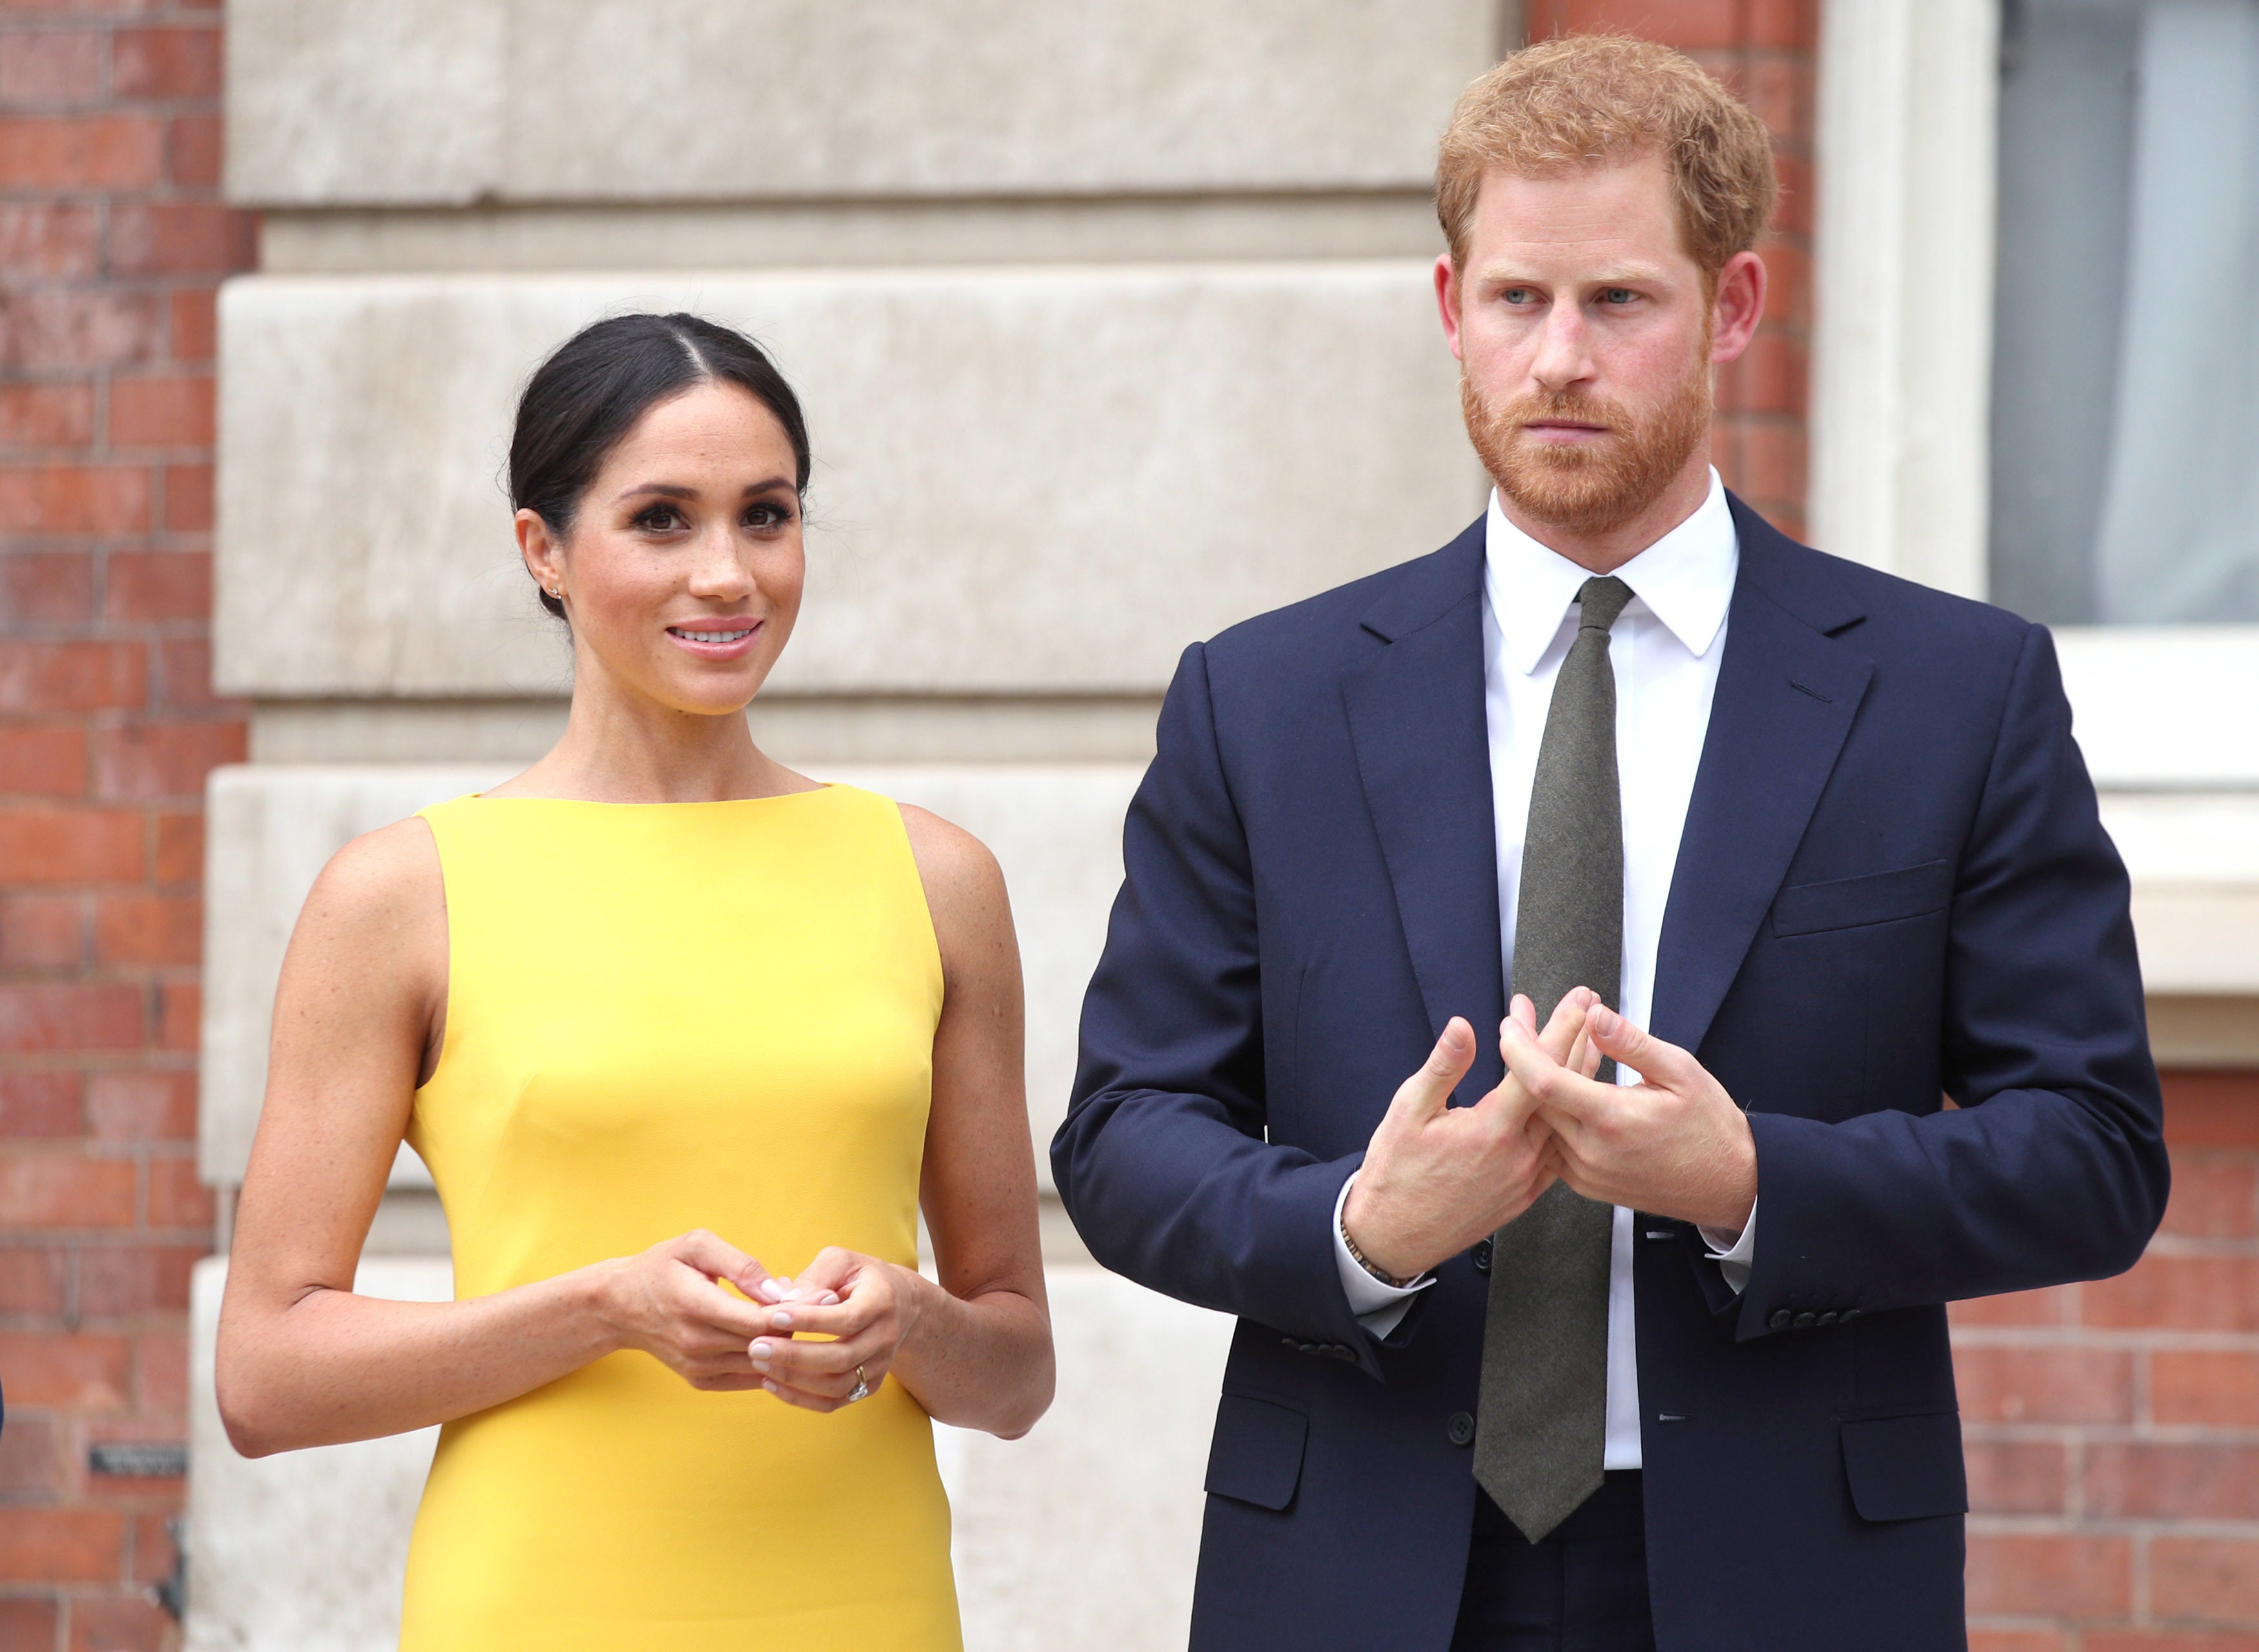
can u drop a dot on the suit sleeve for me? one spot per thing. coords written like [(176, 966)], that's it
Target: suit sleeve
[(2052, 1167), (1162, 1161)]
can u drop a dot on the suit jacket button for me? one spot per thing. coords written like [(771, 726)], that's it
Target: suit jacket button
[(1828, 1318), (1847, 1316), (1347, 1356), (1805, 1322), (1461, 1429), (1779, 1320), (1482, 1256)]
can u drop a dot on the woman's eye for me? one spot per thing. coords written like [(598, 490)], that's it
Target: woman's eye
[(767, 516), (658, 518)]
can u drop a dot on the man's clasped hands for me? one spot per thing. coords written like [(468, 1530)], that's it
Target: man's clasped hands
[(1437, 1178)]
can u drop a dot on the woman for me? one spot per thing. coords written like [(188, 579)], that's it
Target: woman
[(653, 1012)]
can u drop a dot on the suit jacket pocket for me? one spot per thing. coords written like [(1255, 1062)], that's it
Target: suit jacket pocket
[(1256, 1455), (1879, 897), (1907, 1467)]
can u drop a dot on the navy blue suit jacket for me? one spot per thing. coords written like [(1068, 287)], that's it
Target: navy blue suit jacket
[(1893, 887)]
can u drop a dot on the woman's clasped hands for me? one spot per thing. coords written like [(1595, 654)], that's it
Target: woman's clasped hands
[(720, 1320)]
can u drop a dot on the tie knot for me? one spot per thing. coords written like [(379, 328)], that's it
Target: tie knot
[(1603, 600)]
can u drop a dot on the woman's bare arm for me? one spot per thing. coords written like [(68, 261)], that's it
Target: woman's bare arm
[(302, 1360), (975, 1349)]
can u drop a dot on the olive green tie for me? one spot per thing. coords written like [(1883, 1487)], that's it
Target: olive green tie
[(1541, 1421)]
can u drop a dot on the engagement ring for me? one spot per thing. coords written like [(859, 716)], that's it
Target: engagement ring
[(862, 1387)]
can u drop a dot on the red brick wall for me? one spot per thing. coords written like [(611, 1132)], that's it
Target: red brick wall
[(111, 242), (2112, 1429), (1765, 50)]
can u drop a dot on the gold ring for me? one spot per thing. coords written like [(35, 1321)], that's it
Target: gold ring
[(862, 1387)]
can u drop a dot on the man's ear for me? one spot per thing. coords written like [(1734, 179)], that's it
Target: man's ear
[(1447, 302), (1736, 307)]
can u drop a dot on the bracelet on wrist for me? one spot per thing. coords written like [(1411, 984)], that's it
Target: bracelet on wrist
[(1366, 1263)]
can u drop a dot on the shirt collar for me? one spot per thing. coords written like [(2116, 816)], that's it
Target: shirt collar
[(1685, 579)]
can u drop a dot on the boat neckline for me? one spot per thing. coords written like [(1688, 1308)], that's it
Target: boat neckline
[(710, 802)]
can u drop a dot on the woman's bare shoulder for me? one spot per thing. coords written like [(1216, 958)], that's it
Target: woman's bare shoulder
[(964, 885), (382, 889)]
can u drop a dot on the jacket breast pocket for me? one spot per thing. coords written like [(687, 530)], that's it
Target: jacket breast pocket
[(1906, 1468), (1256, 1455), (1849, 903)]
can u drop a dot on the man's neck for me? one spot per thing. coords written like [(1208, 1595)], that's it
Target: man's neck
[(1609, 549)]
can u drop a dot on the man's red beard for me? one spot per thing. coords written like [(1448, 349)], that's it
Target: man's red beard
[(1592, 486)]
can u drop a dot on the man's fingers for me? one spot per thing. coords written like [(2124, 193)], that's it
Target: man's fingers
[(1567, 1023), (1427, 1091), (1550, 1084), (1665, 1066)]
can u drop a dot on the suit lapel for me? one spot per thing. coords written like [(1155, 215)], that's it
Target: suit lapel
[(1417, 723), (1787, 694)]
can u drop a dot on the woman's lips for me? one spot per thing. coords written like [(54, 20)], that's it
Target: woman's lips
[(731, 639)]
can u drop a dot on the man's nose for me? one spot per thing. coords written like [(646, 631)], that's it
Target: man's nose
[(1564, 354)]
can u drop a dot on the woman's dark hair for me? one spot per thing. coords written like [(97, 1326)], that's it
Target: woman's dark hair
[(581, 403)]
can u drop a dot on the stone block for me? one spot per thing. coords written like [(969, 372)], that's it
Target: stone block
[(302, 1551), (1084, 1533), (1028, 481), (449, 101), (1056, 830)]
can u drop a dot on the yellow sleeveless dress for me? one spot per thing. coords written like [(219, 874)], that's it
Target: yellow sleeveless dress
[(663, 1017)]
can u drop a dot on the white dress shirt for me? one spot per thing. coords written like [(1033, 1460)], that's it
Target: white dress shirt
[(1665, 649)]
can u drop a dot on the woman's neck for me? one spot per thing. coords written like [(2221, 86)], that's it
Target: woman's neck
[(623, 748)]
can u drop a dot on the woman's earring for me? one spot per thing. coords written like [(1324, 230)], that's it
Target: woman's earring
[(553, 591)]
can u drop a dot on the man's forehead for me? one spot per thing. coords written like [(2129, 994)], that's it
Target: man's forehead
[(1611, 220)]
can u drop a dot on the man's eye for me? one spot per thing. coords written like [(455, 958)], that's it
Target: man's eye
[(1619, 294), (1518, 295)]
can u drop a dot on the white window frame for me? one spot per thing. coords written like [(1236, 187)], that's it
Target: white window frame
[(1902, 357)]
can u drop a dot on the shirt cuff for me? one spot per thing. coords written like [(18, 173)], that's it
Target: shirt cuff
[(1378, 1307), (1732, 1255)]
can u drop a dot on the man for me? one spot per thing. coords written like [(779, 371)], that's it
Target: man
[(1640, 1340)]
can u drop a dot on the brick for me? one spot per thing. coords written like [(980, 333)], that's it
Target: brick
[(61, 1545), (44, 414), (2213, 1197), (48, 586), (115, 1282), (1689, 24), (2210, 1387), (54, 65), (195, 325), (180, 847), (75, 1370), (77, 329), (145, 928), (2017, 1640), (2136, 1479), (175, 237), (157, 585), (183, 680), (1793, 213), (2044, 1385), (180, 1016), (65, 1190), (45, 762), (70, 846), (162, 1359), (40, 932), (166, 63), (33, 1466), (195, 151), (119, 1623), (34, 1283), (75, 498), (29, 1624), (2049, 1575), (163, 759), (2168, 1641), (2012, 1476), (35, 1104), (2170, 1293), (1769, 377), (2205, 1577), (188, 498), (177, 1198), (52, 677), (1779, 92), (2212, 1110), (151, 1105), (1773, 459), (160, 412), (82, 152), (1792, 24), (37, 1017), (49, 240)]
